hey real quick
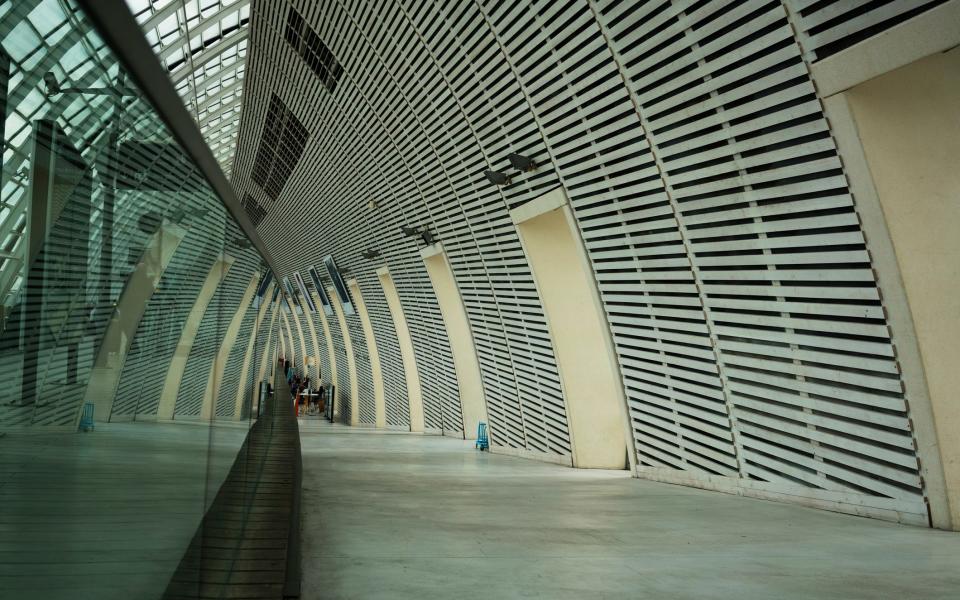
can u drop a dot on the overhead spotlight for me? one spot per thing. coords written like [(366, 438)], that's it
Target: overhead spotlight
[(521, 162), (372, 204), (409, 231), (428, 238), (370, 254), (51, 83), (497, 178)]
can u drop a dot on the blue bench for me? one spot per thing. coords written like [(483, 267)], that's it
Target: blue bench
[(86, 418), (483, 443)]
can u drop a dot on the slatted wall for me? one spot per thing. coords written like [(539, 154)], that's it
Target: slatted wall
[(781, 266), (145, 369), (361, 359), (226, 402), (317, 229), (474, 123), (262, 345), (303, 318), (397, 405), (826, 28), (727, 248), (325, 366)]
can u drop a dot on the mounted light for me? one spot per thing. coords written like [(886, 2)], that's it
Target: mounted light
[(370, 254), (521, 162), (497, 178), (428, 238), (409, 231), (51, 83)]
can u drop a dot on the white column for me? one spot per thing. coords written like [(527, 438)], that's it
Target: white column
[(462, 346), (171, 386), (142, 283), (583, 345), (407, 355), (248, 355), (215, 379), (380, 405), (351, 363)]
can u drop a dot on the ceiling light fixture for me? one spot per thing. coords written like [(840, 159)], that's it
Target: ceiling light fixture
[(497, 178), (521, 162), (424, 233)]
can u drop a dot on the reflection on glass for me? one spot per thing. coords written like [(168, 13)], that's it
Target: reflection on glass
[(117, 264)]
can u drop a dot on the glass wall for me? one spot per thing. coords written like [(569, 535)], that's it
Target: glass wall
[(134, 314)]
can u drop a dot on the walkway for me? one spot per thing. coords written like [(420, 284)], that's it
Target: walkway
[(405, 516), (108, 514)]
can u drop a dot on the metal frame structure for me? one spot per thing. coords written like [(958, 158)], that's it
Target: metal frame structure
[(119, 28), (203, 46)]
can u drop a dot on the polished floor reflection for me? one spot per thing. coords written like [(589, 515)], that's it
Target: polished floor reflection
[(406, 516), (106, 514)]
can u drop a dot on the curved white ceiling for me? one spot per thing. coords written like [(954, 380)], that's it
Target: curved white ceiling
[(203, 43)]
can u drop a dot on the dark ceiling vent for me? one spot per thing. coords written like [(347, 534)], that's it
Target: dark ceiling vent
[(312, 50), (253, 210), (281, 146)]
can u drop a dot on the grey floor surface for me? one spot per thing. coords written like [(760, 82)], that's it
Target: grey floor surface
[(405, 516), (106, 514)]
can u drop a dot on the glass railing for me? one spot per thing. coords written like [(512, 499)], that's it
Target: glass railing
[(131, 346)]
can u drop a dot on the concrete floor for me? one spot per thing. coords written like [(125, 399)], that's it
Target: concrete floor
[(106, 514), (405, 516)]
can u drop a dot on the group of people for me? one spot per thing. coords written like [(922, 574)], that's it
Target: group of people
[(301, 389)]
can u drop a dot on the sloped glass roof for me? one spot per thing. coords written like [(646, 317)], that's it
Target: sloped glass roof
[(203, 44)]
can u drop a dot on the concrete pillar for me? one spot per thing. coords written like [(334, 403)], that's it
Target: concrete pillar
[(899, 138), (215, 379), (582, 342), (171, 386), (351, 363), (248, 355), (407, 355), (472, 402), (142, 283), (300, 340), (269, 357), (280, 337), (380, 405), (290, 349), (314, 344), (331, 376)]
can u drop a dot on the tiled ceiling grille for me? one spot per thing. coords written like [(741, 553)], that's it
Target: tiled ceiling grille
[(311, 49), (254, 210), (281, 146)]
